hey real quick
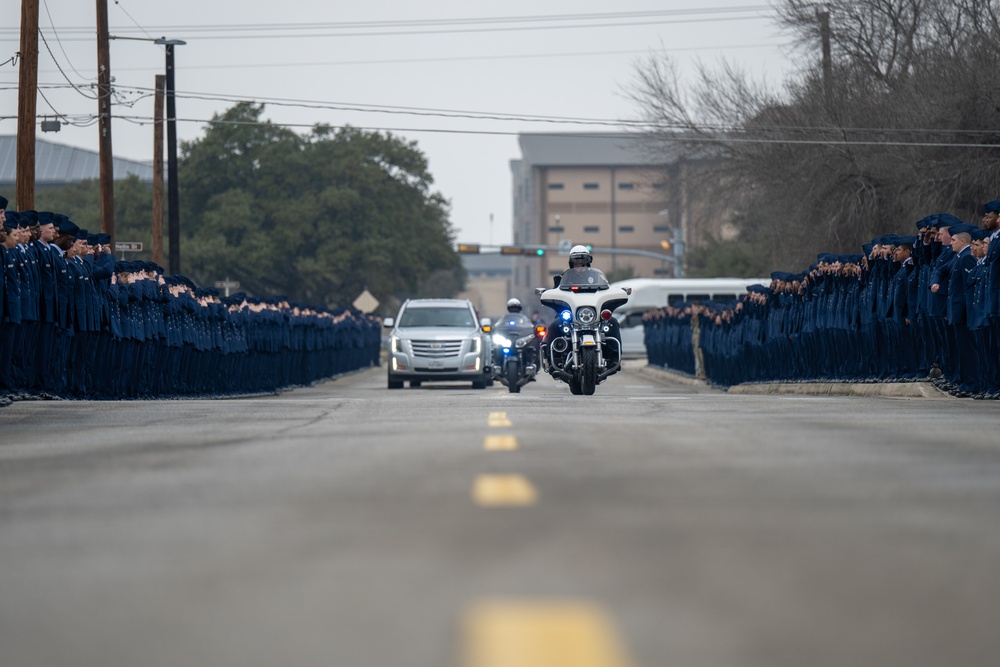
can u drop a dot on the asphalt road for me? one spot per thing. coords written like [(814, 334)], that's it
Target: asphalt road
[(649, 525)]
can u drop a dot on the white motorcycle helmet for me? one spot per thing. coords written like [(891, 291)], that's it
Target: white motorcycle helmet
[(580, 253), (513, 306)]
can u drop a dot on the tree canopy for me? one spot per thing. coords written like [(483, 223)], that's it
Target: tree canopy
[(318, 218), (903, 123)]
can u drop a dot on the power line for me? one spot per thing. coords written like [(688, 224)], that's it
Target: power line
[(535, 118), (415, 23), (56, 33), (459, 59), (386, 28), (74, 86), (143, 120)]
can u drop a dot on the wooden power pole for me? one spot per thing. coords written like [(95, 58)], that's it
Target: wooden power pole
[(824, 28), (105, 156), (27, 106), (157, 230)]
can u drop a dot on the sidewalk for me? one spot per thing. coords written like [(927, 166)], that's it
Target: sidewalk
[(921, 389)]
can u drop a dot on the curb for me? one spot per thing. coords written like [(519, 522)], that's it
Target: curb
[(875, 389)]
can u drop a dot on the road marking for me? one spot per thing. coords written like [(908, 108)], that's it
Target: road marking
[(659, 398), (498, 419), (503, 491), (540, 634), (500, 443)]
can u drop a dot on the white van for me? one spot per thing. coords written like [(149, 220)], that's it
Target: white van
[(654, 293)]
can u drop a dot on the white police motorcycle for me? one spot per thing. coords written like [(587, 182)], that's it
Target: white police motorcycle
[(580, 350)]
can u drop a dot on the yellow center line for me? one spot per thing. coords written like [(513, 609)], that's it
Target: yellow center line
[(540, 634), (498, 419), (500, 443), (503, 491)]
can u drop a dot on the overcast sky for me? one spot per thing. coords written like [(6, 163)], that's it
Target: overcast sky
[(415, 68)]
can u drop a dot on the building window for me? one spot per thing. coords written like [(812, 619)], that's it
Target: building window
[(590, 186), (626, 229), (592, 230), (556, 230), (556, 186), (626, 186), (661, 228)]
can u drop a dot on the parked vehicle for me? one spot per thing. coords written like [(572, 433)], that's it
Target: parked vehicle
[(582, 353), (516, 342), (437, 340)]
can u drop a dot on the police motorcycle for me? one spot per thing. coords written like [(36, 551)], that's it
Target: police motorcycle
[(580, 349), (515, 348)]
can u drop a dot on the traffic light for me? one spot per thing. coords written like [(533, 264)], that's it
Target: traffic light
[(511, 250), (468, 248), (540, 252)]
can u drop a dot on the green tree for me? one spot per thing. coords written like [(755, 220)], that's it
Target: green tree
[(318, 218)]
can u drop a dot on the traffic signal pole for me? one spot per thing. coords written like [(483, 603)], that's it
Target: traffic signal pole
[(542, 250)]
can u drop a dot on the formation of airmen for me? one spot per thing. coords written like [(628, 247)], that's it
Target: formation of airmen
[(78, 323), (907, 307)]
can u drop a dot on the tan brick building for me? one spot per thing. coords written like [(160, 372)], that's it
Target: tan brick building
[(603, 190)]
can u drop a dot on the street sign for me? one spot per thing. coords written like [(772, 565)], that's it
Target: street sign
[(366, 302), (565, 245), (227, 285), (128, 246)]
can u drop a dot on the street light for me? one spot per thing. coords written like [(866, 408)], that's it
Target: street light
[(173, 212)]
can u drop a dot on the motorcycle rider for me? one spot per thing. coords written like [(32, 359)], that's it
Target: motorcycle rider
[(579, 257), (515, 318)]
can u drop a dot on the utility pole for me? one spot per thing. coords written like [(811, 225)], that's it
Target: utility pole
[(824, 29), (105, 157), (27, 106), (157, 230), (173, 196)]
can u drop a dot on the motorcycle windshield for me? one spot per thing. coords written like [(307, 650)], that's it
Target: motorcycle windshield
[(513, 322), (582, 279)]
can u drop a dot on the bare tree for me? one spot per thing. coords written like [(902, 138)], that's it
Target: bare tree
[(912, 126)]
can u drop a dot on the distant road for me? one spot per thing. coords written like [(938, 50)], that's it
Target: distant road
[(649, 525)]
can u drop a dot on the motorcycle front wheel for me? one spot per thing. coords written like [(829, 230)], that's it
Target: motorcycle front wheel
[(513, 373), (588, 370)]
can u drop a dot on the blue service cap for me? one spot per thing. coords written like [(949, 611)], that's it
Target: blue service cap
[(11, 221), (104, 239), (926, 221), (947, 220), (979, 234), (867, 248), (992, 206), (29, 218), (66, 226), (962, 227), (81, 234)]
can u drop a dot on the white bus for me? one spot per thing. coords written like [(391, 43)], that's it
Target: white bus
[(654, 293)]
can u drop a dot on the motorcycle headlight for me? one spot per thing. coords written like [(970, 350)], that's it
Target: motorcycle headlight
[(500, 340), (524, 340), (586, 315)]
